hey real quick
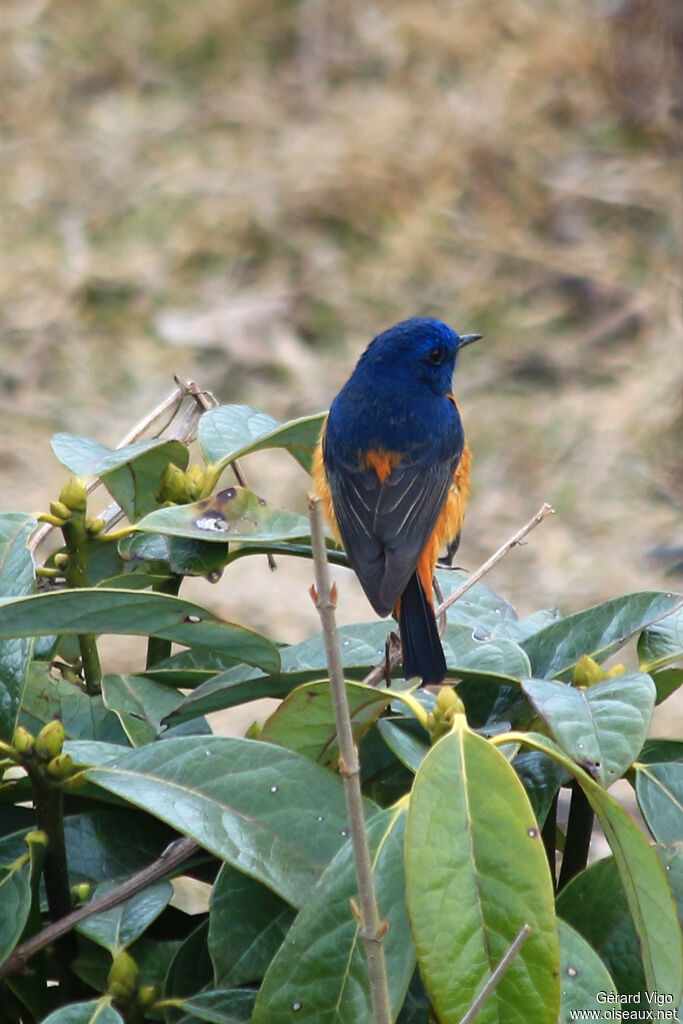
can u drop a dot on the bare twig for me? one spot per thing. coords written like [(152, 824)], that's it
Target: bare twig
[(393, 657), (372, 929), (174, 855), (521, 937)]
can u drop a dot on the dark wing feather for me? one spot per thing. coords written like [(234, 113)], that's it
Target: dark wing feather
[(385, 526)]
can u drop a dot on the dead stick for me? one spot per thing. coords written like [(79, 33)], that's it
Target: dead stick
[(379, 672), (172, 857), (497, 974), (372, 928)]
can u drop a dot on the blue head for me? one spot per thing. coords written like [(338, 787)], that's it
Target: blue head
[(420, 349)]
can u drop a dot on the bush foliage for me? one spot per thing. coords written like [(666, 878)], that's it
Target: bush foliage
[(102, 771)]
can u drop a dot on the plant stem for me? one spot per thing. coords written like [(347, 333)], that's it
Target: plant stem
[(174, 855), (549, 836), (497, 974), (372, 929), (577, 843), (76, 539), (157, 648)]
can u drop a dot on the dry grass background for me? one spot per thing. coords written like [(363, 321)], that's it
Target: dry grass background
[(244, 193)]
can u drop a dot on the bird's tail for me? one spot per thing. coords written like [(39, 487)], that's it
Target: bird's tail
[(422, 651)]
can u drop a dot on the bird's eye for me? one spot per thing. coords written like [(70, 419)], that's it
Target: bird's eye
[(436, 356)]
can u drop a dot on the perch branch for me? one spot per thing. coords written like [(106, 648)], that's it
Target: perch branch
[(518, 942), (380, 672), (372, 928), (174, 855)]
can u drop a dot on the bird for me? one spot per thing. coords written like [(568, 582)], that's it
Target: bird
[(392, 471)]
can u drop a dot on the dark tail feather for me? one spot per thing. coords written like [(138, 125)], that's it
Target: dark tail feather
[(422, 651)]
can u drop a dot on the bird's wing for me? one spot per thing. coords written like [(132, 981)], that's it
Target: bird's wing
[(385, 525)]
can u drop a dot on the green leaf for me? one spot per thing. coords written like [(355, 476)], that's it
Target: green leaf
[(236, 515), (319, 975), (247, 924), (140, 705), (220, 1006), (231, 431), (541, 778), (83, 717), (662, 643), (97, 1012), (602, 727), (305, 720), (583, 976), (268, 811), (659, 788), (409, 748), (470, 655), (667, 681), (15, 904), (100, 610), (656, 750), (644, 881), (132, 474), (16, 580), (177, 554), (117, 928), (476, 872), (190, 968), (479, 607), (598, 631)]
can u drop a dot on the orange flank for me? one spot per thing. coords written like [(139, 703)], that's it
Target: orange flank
[(322, 487)]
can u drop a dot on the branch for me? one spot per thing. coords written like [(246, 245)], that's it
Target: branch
[(174, 855), (372, 929), (520, 939), (379, 673)]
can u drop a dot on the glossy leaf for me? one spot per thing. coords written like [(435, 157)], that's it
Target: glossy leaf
[(643, 879), (305, 720), (476, 872), (220, 1006), (231, 431), (141, 704), (541, 778), (266, 810), (319, 975), (662, 643), (99, 610), (583, 976), (191, 969), (83, 717), (15, 904), (602, 727), (479, 607), (409, 748), (247, 925), (117, 928), (656, 750), (667, 681), (179, 555), (598, 631), (98, 1012), (659, 788), (132, 474), (16, 580)]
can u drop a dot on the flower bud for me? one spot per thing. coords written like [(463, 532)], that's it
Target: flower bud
[(172, 487), (448, 699), (587, 672), (61, 560), (81, 891), (74, 495), (59, 509), (36, 837), (147, 996), (124, 978), (60, 767), (95, 526), (49, 740), (23, 742), (194, 482)]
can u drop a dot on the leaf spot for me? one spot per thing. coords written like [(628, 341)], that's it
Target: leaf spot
[(262, 502), (296, 1005), (532, 833), (228, 494), (274, 789), (321, 817), (214, 522), (572, 972), (344, 832), (192, 618)]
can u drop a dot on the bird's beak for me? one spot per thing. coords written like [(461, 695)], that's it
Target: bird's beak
[(467, 339)]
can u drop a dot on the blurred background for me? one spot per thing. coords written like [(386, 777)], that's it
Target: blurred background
[(245, 193)]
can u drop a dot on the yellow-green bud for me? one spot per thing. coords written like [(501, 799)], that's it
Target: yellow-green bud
[(74, 495), (36, 838), (448, 699), (81, 891), (59, 509), (147, 996), (616, 670), (49, 740), (95, 526), (23, 742), (172, 487), (61, 560), (587, 672), (194, 482), (61, 766), (254, 731), (124, 978)]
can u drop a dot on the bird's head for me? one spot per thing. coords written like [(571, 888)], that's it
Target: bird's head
[(421, 348)]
